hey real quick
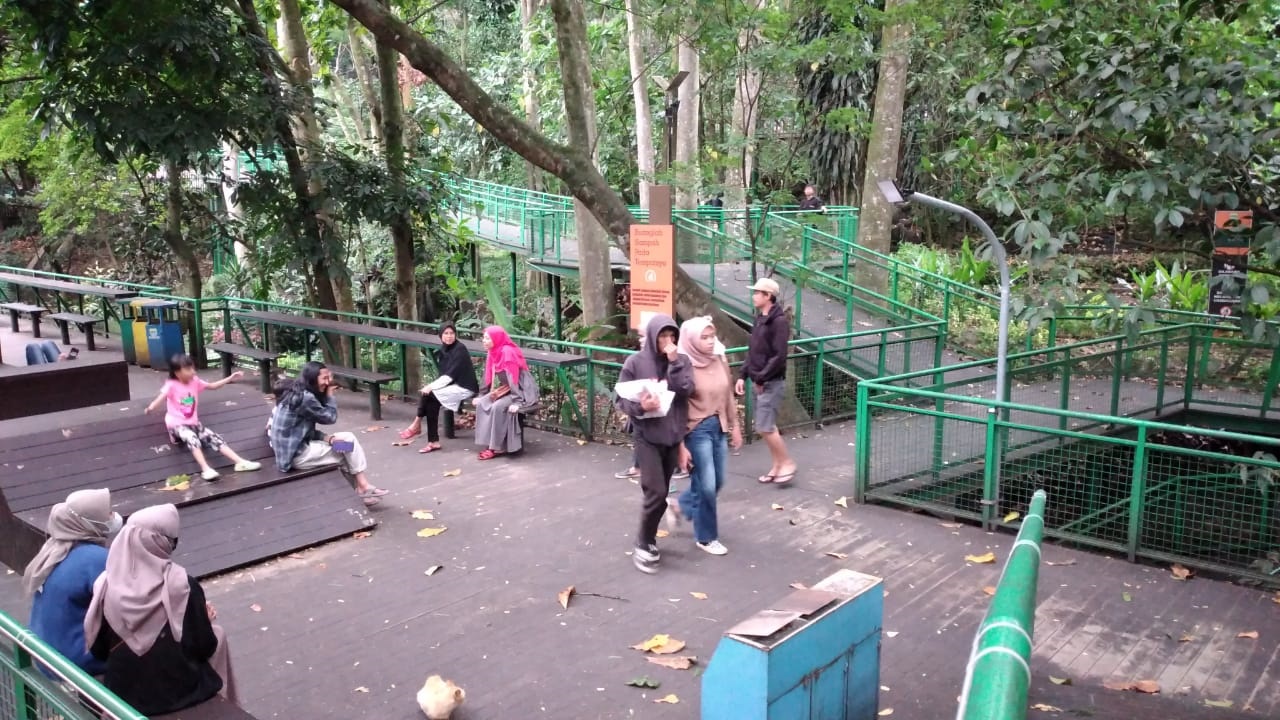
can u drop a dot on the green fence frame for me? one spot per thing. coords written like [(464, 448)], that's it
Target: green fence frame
[(28, 694), (1001, 654)]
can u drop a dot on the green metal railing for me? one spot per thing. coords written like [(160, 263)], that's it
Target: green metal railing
[(1153, 447), (998, 675), (28, 694)]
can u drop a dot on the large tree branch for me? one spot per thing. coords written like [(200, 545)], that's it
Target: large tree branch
[(571, 165)]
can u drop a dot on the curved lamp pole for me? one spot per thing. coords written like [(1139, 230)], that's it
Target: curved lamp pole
[(895, 197)]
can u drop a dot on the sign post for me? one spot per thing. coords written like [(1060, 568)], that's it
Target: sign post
[(1230, 262), (653, 261)]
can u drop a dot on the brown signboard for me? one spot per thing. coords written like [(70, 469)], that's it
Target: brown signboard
[(1230, 261), (652, 272)]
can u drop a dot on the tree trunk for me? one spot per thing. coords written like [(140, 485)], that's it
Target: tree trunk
[(876, 216), (598, 294), (360, 61), (688, 123), (745, 115), (529, 8), (297, 54), (192, 284), (401, 228), (312, 240), (645, 160), (573, 167), (235, 211)]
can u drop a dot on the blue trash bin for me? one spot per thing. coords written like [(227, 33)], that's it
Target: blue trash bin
[(164, 333)]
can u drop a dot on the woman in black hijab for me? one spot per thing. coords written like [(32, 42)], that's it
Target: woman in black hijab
[(456, 383)]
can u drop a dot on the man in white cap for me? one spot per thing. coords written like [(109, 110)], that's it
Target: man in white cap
[(60, 577), (766, 367)]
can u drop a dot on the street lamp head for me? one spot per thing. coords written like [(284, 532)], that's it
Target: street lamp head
[(889, 189)]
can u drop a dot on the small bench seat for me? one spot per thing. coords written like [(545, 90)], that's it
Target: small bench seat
[(230, 351), (17, 308), (84, 322), (373, 379)]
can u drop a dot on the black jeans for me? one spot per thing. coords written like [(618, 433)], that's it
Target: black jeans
[(429, 408), (656, 463)]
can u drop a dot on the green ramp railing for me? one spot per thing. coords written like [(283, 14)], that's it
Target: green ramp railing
[(1001, 654), (28, 694)]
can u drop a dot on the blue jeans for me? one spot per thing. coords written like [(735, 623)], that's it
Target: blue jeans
[(709, 447), (39, 353)]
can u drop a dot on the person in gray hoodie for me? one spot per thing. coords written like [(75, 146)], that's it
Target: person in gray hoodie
[(657, 439)]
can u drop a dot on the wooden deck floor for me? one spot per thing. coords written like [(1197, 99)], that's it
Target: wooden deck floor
[(352, 628)]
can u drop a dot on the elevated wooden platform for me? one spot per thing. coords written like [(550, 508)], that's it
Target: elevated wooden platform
[(241, 519), (37, 389)]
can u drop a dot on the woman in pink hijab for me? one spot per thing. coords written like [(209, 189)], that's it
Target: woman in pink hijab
[(149, 622), (508, 389)]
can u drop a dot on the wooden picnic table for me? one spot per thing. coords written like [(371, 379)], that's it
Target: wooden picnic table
[(109, 295), (559, 362)]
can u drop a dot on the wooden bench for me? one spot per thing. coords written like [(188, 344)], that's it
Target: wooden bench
[(229, 352), (19, 308), (53, 387), (84, 322), (241, 519), (373, 379)]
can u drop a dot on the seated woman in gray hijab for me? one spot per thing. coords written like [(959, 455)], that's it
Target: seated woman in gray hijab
[(60, 577), (149, 621)]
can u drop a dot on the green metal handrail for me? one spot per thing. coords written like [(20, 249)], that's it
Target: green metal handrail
[(1001, 654), (29, 682)]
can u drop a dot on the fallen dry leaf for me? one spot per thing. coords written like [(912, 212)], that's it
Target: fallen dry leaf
[(1121, 685), (422, 515), (654, 642), (1149, 687), (255, 607), (1219, 703), (981, 559), (836, 555), (433, 570), (1059, 681), (1276, 599), (1186, 638), (799, 586), (564, 595), (951, 525), (663, 533), (885, 712), (361, 689), (1045, 708), (776, 506), (669, 699), (671, 647), (582, 442), (679, 662), (990, 590), (453, 473), (891, 634), (699, 595), (401, 443), (431, 532), (843, 501), (1249, 635), (178, 486), (374, 428), (1060, 563), (1180, 573), (295, 556), (362, 535), (1012, 516)]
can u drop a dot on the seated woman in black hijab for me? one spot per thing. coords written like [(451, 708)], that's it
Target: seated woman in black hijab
[(457, 383)]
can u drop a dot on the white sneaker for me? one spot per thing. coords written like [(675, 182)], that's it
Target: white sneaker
[(680, 474), (714, 547), (646, 559), (248, 466), (209, 474)]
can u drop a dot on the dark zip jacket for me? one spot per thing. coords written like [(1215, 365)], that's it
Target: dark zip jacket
[(652, 364), (767, 350)]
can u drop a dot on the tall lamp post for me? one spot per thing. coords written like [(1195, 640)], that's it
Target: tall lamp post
[(889, 189)]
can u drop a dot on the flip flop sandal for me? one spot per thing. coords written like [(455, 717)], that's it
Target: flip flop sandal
[(370, 501), (784, 478), (764, 479), (406, 434), (487, 454), (428, 448), (373, 492)]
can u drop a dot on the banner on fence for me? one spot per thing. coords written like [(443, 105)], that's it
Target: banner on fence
[(1230, 261)]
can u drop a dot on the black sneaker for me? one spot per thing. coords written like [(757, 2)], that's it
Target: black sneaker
[(646, 559)]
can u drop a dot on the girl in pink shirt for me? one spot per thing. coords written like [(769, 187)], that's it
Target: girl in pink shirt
[(183, 420)]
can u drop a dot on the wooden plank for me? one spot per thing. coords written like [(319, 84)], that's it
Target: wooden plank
[(65, 286), (53, 387)]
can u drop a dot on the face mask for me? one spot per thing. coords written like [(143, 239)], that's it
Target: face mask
[(115, 523)]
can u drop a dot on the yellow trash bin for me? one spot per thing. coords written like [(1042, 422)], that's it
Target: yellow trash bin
[(141, 350)]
